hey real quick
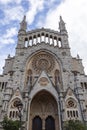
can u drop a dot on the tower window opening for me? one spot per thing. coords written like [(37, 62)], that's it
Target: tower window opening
[(30, 41), (82, 86), (55, 41), (59, 42), (26, 42), (47, 39), (85, 85), (42, 38), (38, 38), (34, 40), (51, 40)]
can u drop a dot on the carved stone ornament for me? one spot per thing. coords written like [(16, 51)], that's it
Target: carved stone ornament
[(17, 93), (43, 81)]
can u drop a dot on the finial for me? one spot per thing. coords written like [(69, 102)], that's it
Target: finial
[(24, 19), (8, 55), (78, 56), (23, 24), (62, 24)]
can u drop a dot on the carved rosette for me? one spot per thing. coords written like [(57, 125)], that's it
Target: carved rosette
[(43, 61)]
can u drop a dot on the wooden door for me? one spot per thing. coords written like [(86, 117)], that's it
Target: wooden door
[(49, 123), (37, 123)]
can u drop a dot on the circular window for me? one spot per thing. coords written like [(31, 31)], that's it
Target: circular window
[(71, 103), (14, 103)]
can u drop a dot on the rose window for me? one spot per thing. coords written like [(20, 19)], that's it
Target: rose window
[(43, 61)]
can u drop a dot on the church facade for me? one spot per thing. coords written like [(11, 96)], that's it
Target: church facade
[(45, 78)]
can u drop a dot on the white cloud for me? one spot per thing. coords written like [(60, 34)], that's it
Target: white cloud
[(2, 62), (75, 15), (9, 1), (34, 7), (10, 32), (12, 13), (8, 37), (5, 1)]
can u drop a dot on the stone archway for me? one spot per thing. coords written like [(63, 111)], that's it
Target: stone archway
[(44, 106)]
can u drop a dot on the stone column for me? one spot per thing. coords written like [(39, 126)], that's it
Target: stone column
[(48, 39), (52, 41), (57, 42), (36, 39), (40, 38)]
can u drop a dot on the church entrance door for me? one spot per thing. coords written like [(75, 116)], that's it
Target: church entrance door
[(43, 112)]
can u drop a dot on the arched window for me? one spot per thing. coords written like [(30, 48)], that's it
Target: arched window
[(13, 111), (34, 39), (10, 114), (42, 37), (38, 38), (26, 42), (30, 41), (51, 40), (68, 113), (59, 42), (72, 109), (47, 38), (55, 41), (76, 113)]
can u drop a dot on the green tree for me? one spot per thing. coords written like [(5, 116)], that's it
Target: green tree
[(9, 124), (74, 125)]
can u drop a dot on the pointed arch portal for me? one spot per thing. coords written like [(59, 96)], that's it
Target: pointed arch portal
[(43, 112)]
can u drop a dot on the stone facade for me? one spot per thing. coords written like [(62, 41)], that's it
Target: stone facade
[(44, 76)]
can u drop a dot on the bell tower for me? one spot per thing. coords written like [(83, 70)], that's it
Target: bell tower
[(63, 33), (22, 32)]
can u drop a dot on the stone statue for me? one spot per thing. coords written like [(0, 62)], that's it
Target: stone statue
[(62, 25), (23, 24), (78, 57)]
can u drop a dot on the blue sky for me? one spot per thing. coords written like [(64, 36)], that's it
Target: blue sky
[(43, 13)]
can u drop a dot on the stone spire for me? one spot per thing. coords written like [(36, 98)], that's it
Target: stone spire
[(23, 24), (62, 27)]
